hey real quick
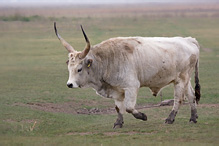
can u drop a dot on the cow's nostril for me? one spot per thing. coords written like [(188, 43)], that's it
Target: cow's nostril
[(70, 85)]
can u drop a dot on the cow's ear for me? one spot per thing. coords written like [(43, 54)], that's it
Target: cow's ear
[(89, 62)]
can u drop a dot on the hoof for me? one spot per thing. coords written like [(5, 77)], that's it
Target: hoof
[(194, 116), (171, 117), (140, 116), (144, 117), (117, 125), (169, 121), (192, 120)]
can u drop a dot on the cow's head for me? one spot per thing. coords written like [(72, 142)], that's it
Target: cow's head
[(78, 64)]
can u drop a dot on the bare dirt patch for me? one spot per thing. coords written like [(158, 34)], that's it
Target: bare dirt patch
[(72, 107), (77, 108), (110, 133), (80, 133), (96, 111), (50, 107), (209, 105), (127, 133)]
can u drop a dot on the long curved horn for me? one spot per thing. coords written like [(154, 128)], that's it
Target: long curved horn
[(64, 43), (87, 48)]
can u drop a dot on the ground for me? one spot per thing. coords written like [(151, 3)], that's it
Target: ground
[(37, 108)]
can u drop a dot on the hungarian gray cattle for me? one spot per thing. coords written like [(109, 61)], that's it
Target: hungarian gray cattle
[(118, 67)]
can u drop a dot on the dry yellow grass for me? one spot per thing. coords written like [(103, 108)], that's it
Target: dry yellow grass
[(150, 10)]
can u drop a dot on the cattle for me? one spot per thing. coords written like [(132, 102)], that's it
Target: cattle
[(116, 68)]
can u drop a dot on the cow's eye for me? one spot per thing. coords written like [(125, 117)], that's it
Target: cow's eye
[(79, 70)]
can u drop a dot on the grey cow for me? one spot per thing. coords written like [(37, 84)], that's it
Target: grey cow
[(118, 67)]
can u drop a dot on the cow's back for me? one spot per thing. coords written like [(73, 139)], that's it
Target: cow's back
[(152, 60)]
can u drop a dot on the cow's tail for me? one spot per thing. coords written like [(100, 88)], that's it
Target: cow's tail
[(197, 85)]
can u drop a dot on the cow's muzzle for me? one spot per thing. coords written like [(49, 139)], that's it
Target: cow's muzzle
[(70, 85)]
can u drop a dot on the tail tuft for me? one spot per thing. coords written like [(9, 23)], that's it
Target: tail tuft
[(197, 85), (197, 92)]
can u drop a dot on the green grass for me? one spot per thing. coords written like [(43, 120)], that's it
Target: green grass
[(33, 70)]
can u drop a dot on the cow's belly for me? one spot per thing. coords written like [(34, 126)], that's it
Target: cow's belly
[(159, 78), (159, 74)]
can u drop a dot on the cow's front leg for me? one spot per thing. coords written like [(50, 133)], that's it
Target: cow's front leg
[(130, 101), (119, 121), (120, 111)]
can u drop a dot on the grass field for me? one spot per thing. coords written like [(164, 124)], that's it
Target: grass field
[(37, 108)]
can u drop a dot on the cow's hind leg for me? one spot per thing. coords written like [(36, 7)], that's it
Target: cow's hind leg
[(130, 101), (120, 110), (192, 101), (178, 97)]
